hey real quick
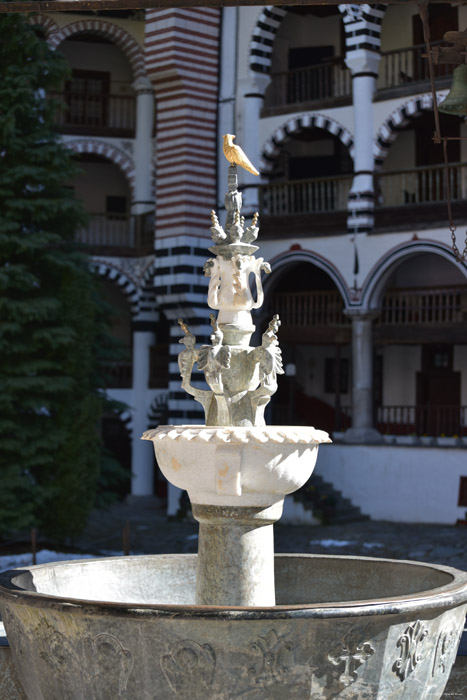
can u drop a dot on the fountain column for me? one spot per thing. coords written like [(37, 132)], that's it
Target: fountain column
[(362, 430), (236, 555)]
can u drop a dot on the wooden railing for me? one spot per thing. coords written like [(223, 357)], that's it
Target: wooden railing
[(407, 66), (309, 308), (423, 185), (290, 198), (89, 112), (433, 421), (414, 306), (118, 231), (323, 81)]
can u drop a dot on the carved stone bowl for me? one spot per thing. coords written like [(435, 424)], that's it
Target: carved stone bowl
[(126, 628), (236, 466)]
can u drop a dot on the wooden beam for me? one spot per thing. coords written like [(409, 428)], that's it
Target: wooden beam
[(83, 5)]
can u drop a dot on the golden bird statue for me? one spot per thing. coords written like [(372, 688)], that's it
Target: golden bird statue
[(236, 156)]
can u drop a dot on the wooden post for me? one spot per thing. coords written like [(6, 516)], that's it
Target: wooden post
[(34, 545)]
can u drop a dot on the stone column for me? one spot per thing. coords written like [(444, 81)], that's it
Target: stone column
[(363, 64), (362, 430), (236, 555), (143, 147), (142, 459), (250, 141)]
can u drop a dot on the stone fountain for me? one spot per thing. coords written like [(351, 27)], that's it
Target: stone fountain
[(235, 622)]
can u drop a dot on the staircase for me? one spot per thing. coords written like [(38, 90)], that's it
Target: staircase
[(328, 504)]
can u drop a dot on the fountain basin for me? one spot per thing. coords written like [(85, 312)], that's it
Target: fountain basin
[(236, 466), (127, 629)]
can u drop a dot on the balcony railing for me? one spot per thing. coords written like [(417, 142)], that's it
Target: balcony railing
[(424, 185), (97, 112), (309, 308), (296, 197), (432, 421), (328, 80), (426, 306), (404, 67), (120, 232)]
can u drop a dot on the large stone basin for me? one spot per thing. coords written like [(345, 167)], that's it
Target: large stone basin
[(127, 629)]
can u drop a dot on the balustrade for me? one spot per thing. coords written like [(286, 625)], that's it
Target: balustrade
[(407, 66), (323, 81), (414, 306), (89, 112), (119, 231), (296, 197), (432, 421), (320, 308), (423, 185)]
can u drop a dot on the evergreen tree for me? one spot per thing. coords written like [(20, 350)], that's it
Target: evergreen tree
[(49, 408)]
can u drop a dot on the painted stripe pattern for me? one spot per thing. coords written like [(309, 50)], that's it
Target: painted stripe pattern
[(182, 61), (262, 40), (299, 123), (117, 35), (399, 118), (362, 24), (102, 148)]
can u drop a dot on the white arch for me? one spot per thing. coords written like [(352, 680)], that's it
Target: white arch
[(104, 149), (122, 280), (296, 124), (400, 117), (291, 257), (116, 34), (50, 27), (375, 283)]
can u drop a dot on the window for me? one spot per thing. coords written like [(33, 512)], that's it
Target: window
[(330, 375)]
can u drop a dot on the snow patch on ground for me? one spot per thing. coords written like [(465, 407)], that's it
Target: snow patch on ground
[(345, 543), (12, 561)]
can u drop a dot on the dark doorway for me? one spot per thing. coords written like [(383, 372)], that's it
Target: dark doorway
[(438, 392)]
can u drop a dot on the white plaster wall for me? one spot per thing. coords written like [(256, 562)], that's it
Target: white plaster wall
[(298, 30), (400, 364), (460, 365), (462, 14), (99, 57), (96, 181), (396, 32), (399, 484)]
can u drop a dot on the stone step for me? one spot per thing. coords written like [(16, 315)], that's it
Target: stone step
[(327, 503)]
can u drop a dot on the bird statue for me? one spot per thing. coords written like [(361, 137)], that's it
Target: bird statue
[(213, 358), (236, 156)]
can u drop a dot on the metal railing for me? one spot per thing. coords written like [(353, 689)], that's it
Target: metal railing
[(118, 231), (293, 197), (415, 306), (422, 185), (97, 110), (326, 80), (407, 66), (432, 421), (320, 308)]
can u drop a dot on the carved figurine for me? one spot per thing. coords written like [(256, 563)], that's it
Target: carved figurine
[(236, 155), (212, 359)]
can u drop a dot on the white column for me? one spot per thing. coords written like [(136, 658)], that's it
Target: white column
[(253, 99), (362, 430), (143, 147), (363, 65), (142, 459)]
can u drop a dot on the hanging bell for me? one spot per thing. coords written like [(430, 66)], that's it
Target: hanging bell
[(456, 100)]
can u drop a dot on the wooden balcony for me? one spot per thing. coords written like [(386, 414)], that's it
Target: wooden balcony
[(98, 113), (410, 316), (118, 234), (328, 84), (405, 71), (431, 421)]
